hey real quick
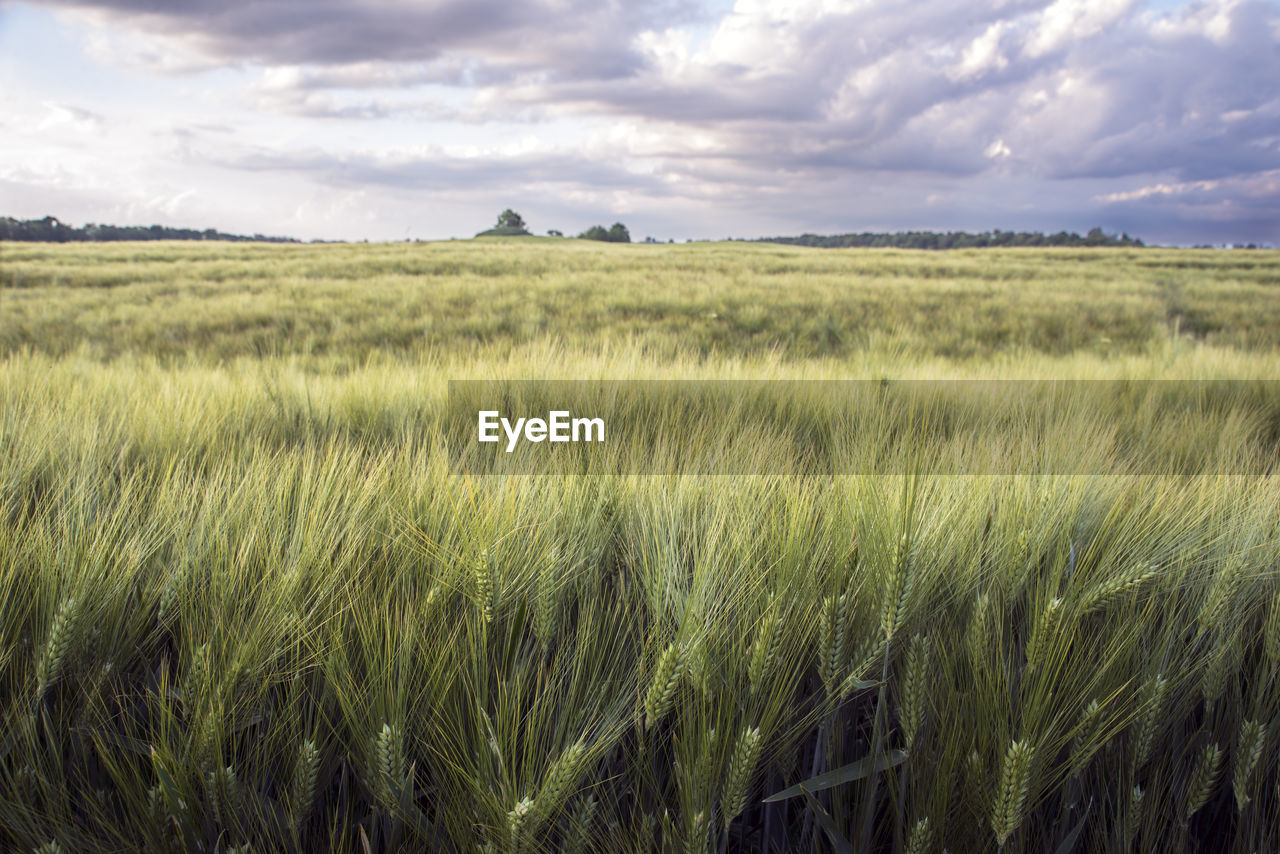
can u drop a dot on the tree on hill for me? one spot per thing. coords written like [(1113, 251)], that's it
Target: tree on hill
[(510, 224), (510, 219), (957, 239), (617, 233)]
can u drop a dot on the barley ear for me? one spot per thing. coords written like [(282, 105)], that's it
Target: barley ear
[(388, 755), (546, 607), (979, 633), (742, 765), (223, 792), (1085, 741), (893, 612), (1011, 795), (832, 630), (483, 573), (915, 688), (1253, 737), (1132, 816), (1271, 631), (1200, 785), (696, 841), (1149, 722), (197, 677), (764, 650), (921, 839), (305, 771), (518, 821), (561, 778), (57, 648), (578, 837), (1043, 633), (662, 687), (1117, 588)]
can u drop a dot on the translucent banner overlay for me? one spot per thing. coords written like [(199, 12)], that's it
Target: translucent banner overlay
[(821, 427)]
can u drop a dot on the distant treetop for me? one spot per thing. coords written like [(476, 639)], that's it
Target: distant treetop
[(616, 233), (954, 239), (510, 219), (510, 224), (51, 230)]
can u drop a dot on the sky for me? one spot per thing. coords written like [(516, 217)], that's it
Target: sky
[(422, 119)]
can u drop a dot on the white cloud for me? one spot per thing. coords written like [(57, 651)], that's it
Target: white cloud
[(984, 53), (997, 150), (1082, 101), (1068, 21)]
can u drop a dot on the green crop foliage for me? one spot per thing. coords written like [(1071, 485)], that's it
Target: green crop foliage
[(246, 605)]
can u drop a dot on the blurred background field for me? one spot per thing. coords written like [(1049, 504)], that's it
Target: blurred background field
[(467, 299), (246, 605)]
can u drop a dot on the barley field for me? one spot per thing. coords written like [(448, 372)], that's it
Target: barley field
[(248, 603)]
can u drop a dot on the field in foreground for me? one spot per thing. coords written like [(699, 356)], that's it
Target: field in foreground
[(245, 605)]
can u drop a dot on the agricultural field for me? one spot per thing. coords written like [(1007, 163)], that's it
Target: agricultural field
[(249, 603)]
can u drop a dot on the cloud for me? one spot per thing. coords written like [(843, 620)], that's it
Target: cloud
[(1001, 108), (573, 37)]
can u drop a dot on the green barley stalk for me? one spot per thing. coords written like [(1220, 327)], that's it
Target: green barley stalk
[(921, 839), (58, 646), (832, 628), (696, 841), (518, 820), (1133, 816), (764, 650), (205, 738), (981, 628), (223, 792), (870, 652), (546, 614), (390, 764), (1149, 722), (662, 687), (702, 769), (698, 668), (483, 573), (1011, 796), (169, 597), (915, 689), (197, 677), (578, 837), (561, 778), (1271, 632), (1213, 678), (893, 611), (1253, 738), (742, 765), (1225, 584), (1085, 741), (1045, 629), (1117, 587), (1202, 780), (1022, 550), (305, 772)]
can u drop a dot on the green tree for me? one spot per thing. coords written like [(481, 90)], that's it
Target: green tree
[(510, 219)]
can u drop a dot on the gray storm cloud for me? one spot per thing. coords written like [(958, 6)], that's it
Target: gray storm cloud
[(775, 97)]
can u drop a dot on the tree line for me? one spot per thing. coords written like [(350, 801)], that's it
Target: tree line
[(50, 230), (954, 239)]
